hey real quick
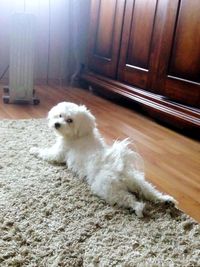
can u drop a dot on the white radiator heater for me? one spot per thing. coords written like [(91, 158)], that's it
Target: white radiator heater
[(21, 65)]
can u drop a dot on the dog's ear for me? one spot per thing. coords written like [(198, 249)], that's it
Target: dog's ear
[(86, 122), (51, 112)]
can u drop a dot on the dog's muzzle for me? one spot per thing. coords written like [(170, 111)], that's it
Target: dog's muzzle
[(57, 125)]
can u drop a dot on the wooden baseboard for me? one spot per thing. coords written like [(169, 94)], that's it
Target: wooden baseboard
[(157, 106)]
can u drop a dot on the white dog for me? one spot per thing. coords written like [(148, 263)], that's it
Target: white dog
[(111, 171)]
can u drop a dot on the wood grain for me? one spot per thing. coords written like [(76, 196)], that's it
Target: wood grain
[(172, 161)]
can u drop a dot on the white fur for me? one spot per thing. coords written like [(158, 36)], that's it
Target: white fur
[(111, 171)]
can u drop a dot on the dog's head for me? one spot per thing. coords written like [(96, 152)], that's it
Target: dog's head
[(71, 120)]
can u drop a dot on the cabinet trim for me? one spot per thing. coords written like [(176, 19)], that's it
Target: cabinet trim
[(155, 105)]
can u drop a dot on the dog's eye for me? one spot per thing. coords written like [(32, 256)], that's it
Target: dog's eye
[(60, 115), (69, 120)]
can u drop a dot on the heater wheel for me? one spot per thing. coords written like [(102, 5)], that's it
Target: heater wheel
[(36, 101), (5, 99), (6, 90)]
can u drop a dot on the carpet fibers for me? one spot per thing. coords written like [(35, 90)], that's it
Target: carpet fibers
[(50, 218)]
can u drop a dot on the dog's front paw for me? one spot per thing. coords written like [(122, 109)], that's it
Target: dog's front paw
[(34, 151), (139, 209)]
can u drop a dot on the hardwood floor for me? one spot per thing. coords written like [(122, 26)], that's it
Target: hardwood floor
[(172, 161)]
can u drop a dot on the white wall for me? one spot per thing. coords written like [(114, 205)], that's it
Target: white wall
[(55, 30)]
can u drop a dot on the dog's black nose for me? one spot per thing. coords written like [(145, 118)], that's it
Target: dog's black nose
[(57, 125)]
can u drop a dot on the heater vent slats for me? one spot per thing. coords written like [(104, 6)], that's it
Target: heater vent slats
[(22, 50)]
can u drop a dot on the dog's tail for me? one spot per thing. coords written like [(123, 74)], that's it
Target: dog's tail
[(124, 156)]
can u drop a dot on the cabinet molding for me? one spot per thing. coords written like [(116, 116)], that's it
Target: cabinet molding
[(155, 105)]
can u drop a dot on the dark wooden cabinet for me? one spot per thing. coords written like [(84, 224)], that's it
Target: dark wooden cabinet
[(148, 51)]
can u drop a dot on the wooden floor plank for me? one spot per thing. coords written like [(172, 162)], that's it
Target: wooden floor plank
[(172, 161)]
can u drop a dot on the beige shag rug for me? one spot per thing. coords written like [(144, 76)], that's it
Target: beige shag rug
[(49, 218)]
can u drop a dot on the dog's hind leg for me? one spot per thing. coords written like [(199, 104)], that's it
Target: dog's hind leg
[(128, 200), (137, 183), (149, 192), (152, 194)]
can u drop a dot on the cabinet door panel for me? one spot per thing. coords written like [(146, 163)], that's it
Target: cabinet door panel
[(105, 36), (141, 32), (185, 59), (179, 75), (106, 16), (137, 41)]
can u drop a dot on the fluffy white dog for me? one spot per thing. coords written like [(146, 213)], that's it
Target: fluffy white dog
[(111, 171)]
